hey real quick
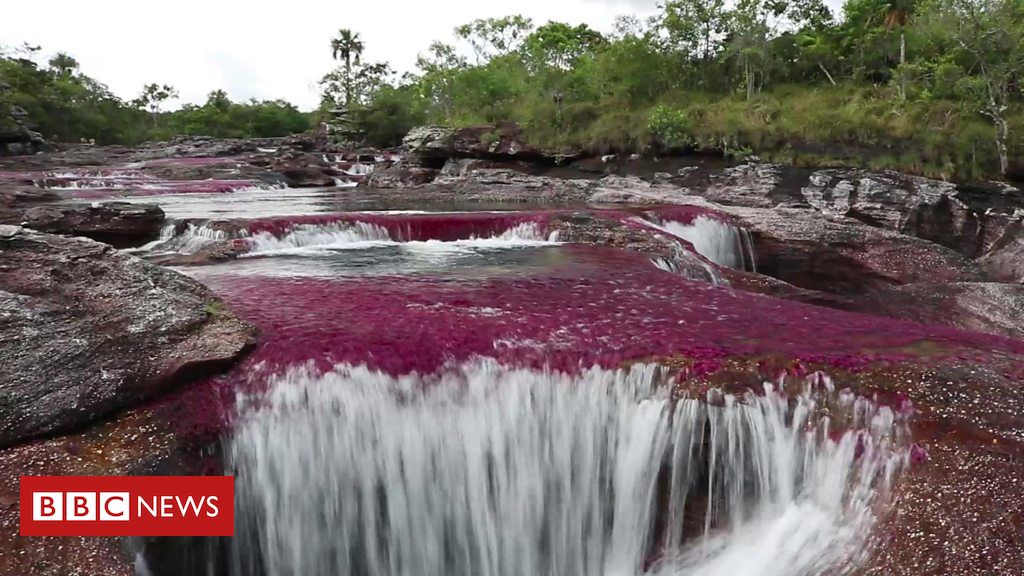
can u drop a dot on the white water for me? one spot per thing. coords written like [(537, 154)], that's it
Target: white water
[(191, 240), (318, 239), (486, 471), (719, 242), (359, 170)]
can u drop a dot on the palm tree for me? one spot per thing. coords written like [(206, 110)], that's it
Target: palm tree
[(899, 14), (347, 47)]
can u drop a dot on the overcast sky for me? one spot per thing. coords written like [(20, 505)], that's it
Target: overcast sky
[(255, 49)]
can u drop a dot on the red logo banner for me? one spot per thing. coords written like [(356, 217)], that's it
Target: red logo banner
[(127, 505)]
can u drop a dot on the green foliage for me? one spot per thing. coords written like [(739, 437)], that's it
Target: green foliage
[(896, 83), (65, 105), (390, 115), (222, 118), (923, 85), (670, 127), (214, 308)]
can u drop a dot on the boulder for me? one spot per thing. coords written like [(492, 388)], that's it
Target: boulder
[(749, 185), (1004, 260), (301, 176), (670, 254), (16, 198), (922, 207), (505, 185), (1006, 264), (121, 224), (430, 142), (432, 145), (400, 175), (86, 330)]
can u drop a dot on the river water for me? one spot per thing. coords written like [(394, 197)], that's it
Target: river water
[(448, 390)]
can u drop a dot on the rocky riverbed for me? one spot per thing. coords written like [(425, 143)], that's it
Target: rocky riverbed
[(126, 352)]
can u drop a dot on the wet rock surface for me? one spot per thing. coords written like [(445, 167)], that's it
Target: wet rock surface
[(1005, 261), (139, 441), (749, 185), (401, 175), (87, 330), (991, 308), (120, 224)]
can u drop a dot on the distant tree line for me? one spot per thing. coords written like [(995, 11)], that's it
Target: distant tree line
[(62, 103)]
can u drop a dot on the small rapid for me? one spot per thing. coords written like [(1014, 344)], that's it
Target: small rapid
[(320, 239), (483, 470), (311, 239), (720, 242)]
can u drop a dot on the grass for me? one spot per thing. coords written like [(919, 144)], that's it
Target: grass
[(846, 125)]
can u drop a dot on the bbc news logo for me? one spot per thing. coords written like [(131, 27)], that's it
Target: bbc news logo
[(127, 506)]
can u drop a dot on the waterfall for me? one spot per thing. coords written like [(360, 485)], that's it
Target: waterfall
[(483, 470), (190, 240), (720, 242), (312, 238), (336, 235)]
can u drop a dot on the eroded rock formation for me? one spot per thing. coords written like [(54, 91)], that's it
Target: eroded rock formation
[(87, 330)]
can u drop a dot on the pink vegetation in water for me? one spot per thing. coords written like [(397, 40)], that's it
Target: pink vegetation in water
[(590, 306), (684, 214), (918, 454), (595, 306)]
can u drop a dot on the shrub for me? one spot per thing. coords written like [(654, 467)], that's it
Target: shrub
[(671, 128)]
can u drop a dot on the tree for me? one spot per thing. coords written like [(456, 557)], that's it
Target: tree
[(493, 37), (897, 14), (153, 96), (991, 33), (695, 27), (559, 45), (749, 32), (218, 99), (63, 64), (816, 47), (439, 67), (348, 48)]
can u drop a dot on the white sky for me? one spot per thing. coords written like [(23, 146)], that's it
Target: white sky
[(259, 49)]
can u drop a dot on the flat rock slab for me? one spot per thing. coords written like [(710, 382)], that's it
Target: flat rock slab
[(86, 330), (121, 224), (986, 307)]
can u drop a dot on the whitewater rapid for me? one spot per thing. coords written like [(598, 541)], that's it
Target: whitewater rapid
[(326, 239), (483, 470)]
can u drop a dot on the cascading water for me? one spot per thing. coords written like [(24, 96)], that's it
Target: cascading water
[(190, 240), (340, 235), (484, 470), (718, 241), (307, 238)]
